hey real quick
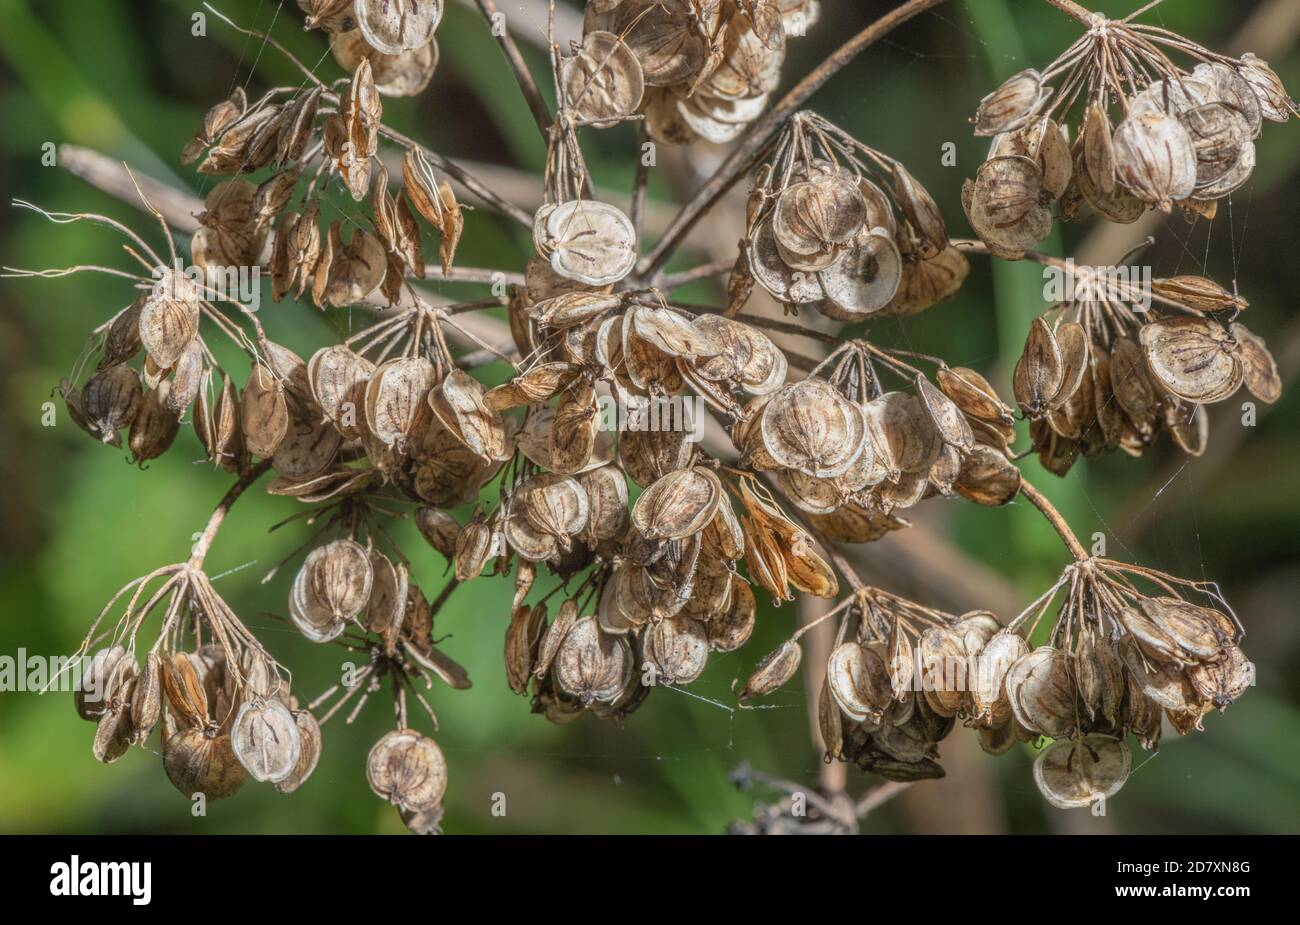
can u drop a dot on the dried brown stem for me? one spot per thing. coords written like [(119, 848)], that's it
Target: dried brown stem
[(1059, 524), (760, 133), (218, 517), (527, 85), (1074, 10)]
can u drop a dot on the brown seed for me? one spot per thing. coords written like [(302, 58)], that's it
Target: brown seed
[(1078, 772), (408, 770), (776, 668), (197, 760), (592, 665), (265, 739)]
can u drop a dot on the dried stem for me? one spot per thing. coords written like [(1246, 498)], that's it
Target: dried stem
[(759, 134), (527, 85), (1038, 500), (879, 796), (1074, 10), (223, 508)]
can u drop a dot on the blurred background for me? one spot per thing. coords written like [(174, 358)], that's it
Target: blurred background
[(129, 79)]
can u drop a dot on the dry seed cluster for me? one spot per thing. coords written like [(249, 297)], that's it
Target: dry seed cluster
[(1184, 138), (1096, 377), (389, 423)]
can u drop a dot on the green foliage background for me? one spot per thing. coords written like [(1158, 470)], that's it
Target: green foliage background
[(77, 520)]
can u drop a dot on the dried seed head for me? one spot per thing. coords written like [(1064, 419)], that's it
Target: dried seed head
[(197, 760), (1079, 772), (265, 739), (330, 589), (592, 665), (110, 401), (408, 770), (776, 668), (1155, 158), (1012, 105), (309, 739), (677, 649)]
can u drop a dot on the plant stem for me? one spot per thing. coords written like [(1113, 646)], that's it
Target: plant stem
[(1073, 9), (223, 508), (1038, 500), (640, 182), (879, 796), (524, 77), (758, 135)]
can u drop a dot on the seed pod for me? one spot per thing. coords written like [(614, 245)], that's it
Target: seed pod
[(439, 529), (146, 700), (265, 740), (408, 770), (1197, 293), (587, 241), (1155, 158), (197, 760), (859, 682), (1098, 148), (338, 378), (815, 217), (553, 637), (1004, 206), (110, 401), (1198, 633), (731, 629), (862, 281), (393, 28), (477, 543), (1039, 372), (1274, 103), (1101, 675), (811, 427), (1223, 681), (330, 589), (1012, 105), (309, 447), (523, 636), (1192, 357), (1042, 692), (676, 649), (309, 738), (592, 665), (830, 723), (405, 74), (678, 505), (114, 732), (215, 122), (574, 429), (458, 402), (389, 592), (603, 83), (155, 426), (1078, 772), (264, 413), (1259, 369), (776, 668), (941, 652), (92, 694), (169, 320), (991, 703)]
